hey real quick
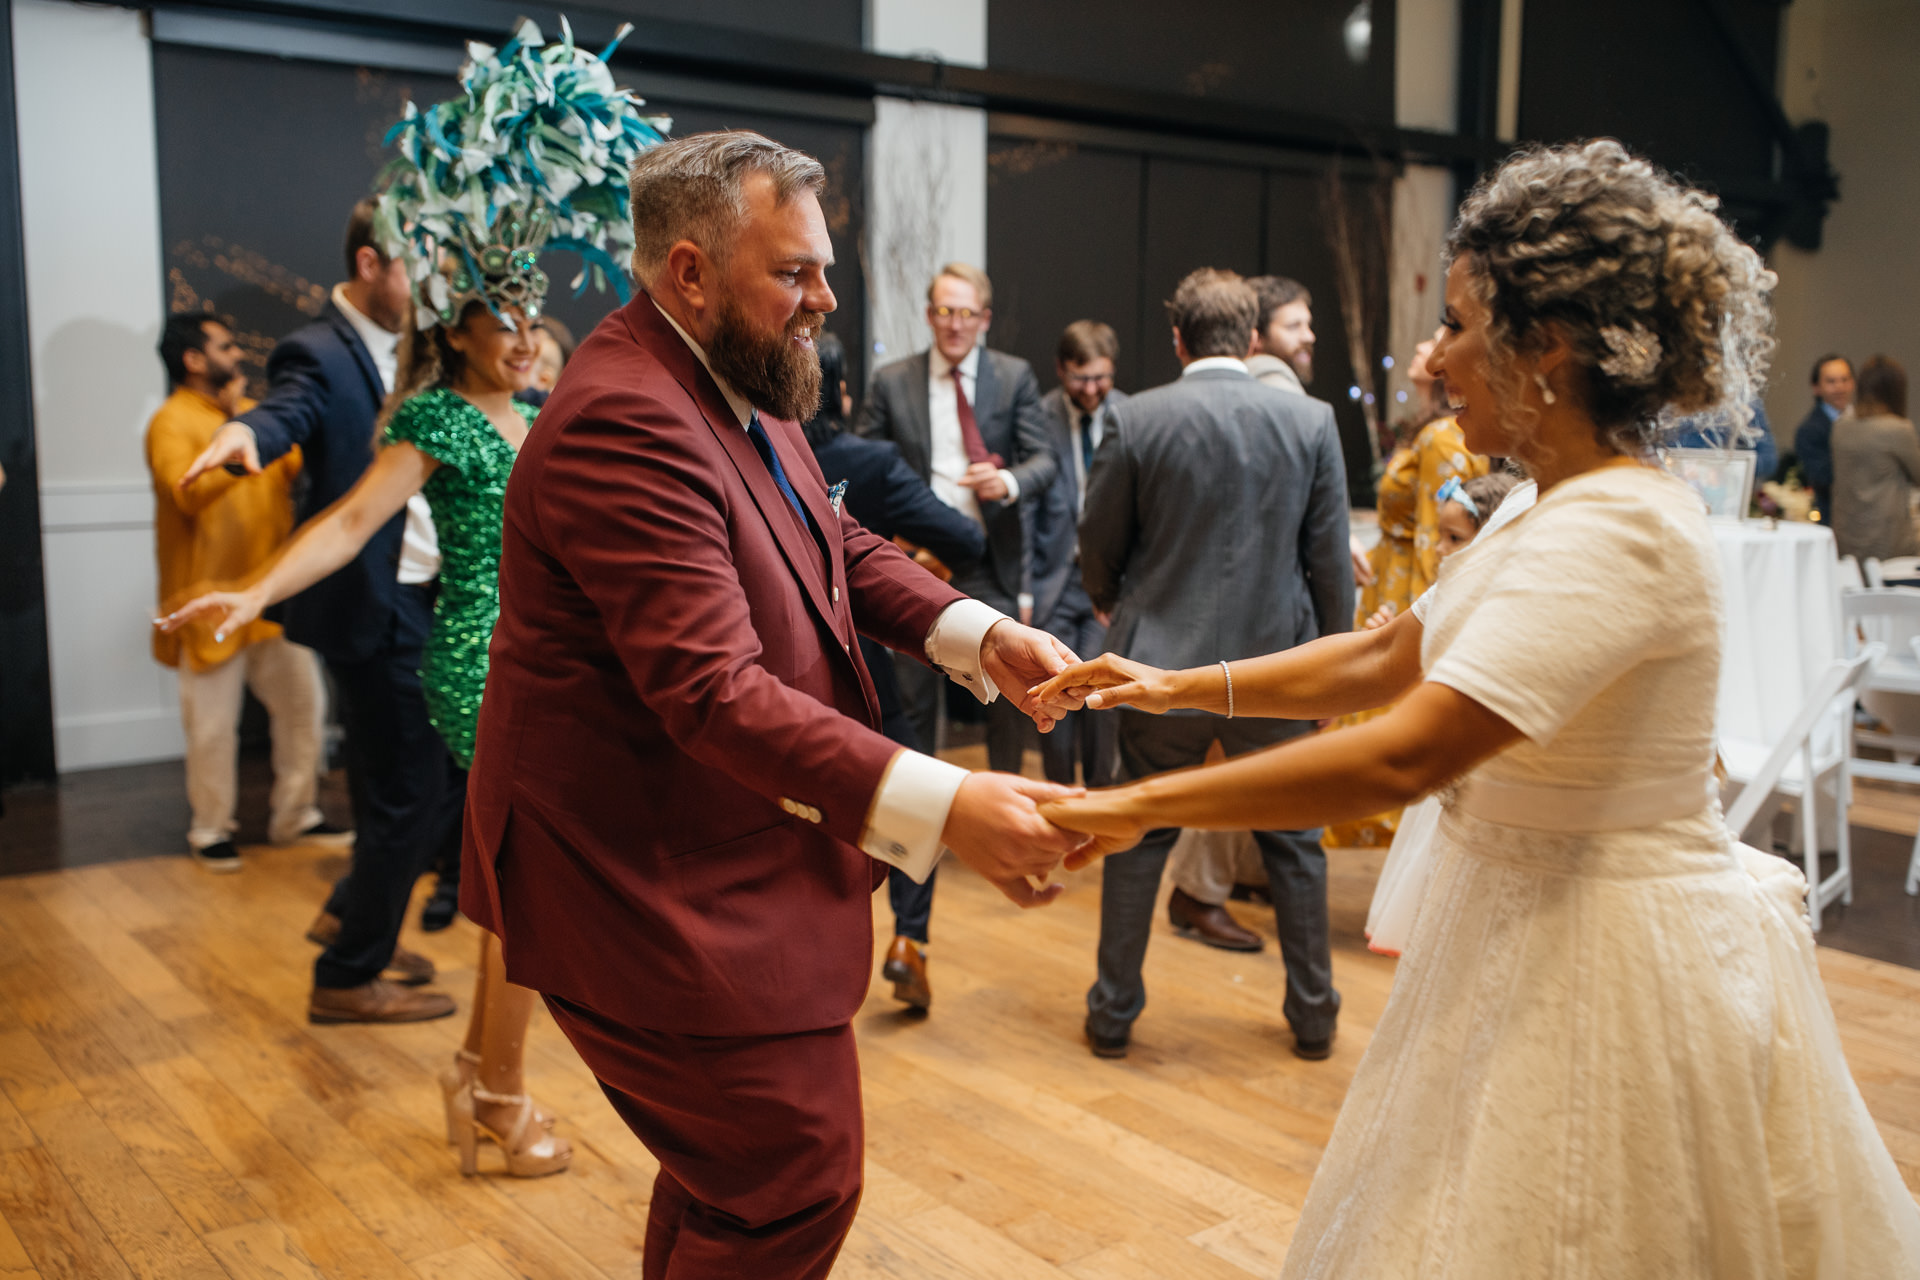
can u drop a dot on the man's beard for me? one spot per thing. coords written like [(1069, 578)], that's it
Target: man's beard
[(777, 375), (1302, 363)]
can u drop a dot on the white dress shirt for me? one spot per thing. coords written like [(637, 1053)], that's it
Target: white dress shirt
[(420, 544), (916, 793), (947, 455), (1205, 363)]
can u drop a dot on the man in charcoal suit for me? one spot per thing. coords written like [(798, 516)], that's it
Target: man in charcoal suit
[(968, 421), (1078, 414), (1215, 529)]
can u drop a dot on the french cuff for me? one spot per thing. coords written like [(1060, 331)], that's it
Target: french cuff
[(953, 645), (1013, 485), (910, 812)]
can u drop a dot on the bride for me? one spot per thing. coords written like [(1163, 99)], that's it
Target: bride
[(1607, 1053)]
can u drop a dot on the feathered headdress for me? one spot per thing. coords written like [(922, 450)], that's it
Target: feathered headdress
[(532, 156)]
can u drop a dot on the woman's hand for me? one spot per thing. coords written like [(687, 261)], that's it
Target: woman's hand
[(1110, 681), (228, 611), (1098, 814)]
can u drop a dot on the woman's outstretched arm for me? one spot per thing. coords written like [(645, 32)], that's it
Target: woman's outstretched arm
[(1435, 735), (323, 544), (1331, 676)]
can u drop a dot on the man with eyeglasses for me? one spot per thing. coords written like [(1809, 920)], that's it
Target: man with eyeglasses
[(969, 422), (1079, 412)]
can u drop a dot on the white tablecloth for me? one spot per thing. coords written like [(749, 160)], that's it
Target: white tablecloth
[(1782, 622)]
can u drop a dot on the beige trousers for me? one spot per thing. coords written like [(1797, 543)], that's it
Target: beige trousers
[(286, 678), (1207, 864)]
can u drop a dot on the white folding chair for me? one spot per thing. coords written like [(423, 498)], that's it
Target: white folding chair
[(1913, 862), (1850, 577), (1870, 569), (1794, 768), (1889, 617), (1902, 569)]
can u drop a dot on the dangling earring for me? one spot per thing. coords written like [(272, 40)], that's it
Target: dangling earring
[(1546, 392)]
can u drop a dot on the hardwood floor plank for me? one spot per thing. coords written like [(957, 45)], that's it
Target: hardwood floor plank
[(31, 1078), (14, 1131), (468, 1262), (60, 1237), (260, 1251), (200, 1190), (137, 1218)]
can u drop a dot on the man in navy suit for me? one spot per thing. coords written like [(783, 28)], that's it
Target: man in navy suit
[(885, 495), (968, 421), (1079, 413), (368, 622)]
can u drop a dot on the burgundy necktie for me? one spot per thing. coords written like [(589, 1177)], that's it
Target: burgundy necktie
[(969, 429)]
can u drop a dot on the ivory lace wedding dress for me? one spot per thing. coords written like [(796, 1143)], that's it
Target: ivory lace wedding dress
[(1607, 1054)]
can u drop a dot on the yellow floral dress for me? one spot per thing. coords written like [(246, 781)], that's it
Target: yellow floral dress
[(1405, 562)]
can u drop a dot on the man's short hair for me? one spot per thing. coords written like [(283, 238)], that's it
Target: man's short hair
[(1826, 360), (184, 331), (965, 271), (1086, 340), (1215, 312), (1276, 292), (360, 236), (693, 188)]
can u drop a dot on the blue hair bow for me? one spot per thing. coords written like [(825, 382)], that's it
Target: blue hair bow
[(1454, 491)]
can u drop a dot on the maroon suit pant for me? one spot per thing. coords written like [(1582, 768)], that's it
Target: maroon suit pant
[(760, 1141)]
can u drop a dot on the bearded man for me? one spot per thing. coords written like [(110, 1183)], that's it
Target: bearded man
[(681, 803)]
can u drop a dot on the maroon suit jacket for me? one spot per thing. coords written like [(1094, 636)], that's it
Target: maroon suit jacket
[(677, 749)]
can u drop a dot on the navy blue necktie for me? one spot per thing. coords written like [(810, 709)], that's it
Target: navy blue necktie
[(1086, 446), (758, 434)]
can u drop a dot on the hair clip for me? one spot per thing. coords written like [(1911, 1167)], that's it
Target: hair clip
[(1636, 353), (1454, 491)]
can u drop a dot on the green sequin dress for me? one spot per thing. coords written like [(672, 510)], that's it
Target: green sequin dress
[(467, 493)]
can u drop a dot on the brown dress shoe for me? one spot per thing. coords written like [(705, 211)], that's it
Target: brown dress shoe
[(408, 968), (376, 1001), (906, 969), (325, 929), (1212, 925)]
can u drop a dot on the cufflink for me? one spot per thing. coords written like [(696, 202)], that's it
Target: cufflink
[(897, 849)]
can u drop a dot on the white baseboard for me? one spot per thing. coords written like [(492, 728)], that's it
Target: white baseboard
[(105, 739)]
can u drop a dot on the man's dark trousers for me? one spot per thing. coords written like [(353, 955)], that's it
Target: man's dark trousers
[(1086, 736), (407, 794), (1296, 874)]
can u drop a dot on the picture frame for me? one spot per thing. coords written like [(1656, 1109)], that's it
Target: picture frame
[(1722, 477)]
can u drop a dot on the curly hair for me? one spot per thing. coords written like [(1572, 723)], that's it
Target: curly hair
[(1665, 309), (424, 362)]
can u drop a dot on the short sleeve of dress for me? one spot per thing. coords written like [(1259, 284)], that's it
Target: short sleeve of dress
[(1595, 585), (437, 424)]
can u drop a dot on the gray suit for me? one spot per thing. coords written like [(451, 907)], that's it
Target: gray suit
[(1215, 528), (1006, 408)]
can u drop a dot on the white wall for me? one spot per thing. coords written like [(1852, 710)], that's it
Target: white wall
[(1426, 76), (926, 172), (1852, 63), (90, 207)]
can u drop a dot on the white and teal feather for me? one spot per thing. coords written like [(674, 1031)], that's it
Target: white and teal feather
[(533, 155)]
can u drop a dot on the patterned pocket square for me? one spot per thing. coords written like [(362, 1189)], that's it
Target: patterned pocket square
[(835, 496)]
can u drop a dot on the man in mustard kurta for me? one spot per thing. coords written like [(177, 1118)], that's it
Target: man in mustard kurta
[(218, 533)]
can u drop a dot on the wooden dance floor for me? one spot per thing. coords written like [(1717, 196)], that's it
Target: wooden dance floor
[(165, 1110)]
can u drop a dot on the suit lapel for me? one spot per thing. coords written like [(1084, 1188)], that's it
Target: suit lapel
[(361, 355), (920, 406), (801, 552), (983, 416)]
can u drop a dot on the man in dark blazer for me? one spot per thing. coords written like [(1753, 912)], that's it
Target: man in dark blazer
[(326, 383), (884, 495), (1813, 438), (968, 421), (680, 803), (1078, 414), (1215, 529)]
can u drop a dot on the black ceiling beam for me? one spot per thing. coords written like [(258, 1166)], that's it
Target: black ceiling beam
[(698, 48)]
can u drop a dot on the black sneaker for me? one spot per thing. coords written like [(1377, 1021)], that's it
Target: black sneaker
[(441, 907), (223, 856)]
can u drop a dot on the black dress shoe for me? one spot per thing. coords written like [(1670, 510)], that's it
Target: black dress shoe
[(442, 907), (1313, 1050), (222, 856), (1106, 1046), (1207, 923)]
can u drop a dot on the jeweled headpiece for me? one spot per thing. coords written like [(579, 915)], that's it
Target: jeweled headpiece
[(532, 156)]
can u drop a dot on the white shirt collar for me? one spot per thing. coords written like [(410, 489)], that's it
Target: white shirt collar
[(1205, 363), (939, 367), (382, 344), (735, 401)]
